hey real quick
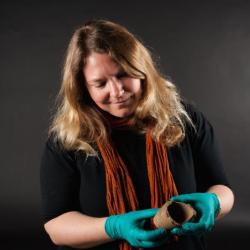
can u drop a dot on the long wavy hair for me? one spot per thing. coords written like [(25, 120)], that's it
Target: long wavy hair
[(78, 123)]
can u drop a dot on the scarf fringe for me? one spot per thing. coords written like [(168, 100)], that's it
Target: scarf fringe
[(120, 192)]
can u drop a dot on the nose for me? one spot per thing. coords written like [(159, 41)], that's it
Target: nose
[(116, 88)]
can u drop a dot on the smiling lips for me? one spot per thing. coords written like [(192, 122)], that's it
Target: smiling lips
[(122, 101)]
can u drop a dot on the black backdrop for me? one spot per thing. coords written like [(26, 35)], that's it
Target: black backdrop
[(204, 46)]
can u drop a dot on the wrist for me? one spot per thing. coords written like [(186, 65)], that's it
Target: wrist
[(217, 207), (110, 227)]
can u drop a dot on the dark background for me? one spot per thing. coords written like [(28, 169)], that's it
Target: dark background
[(204, 46)]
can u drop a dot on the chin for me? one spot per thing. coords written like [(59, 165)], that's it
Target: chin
[(122, 114)]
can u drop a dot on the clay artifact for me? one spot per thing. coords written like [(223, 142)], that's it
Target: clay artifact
[(173, 214)]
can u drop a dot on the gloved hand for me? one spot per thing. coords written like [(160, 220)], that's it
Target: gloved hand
[(206, 205), (129, 226)]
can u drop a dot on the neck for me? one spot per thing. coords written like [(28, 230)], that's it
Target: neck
[(115, 121)]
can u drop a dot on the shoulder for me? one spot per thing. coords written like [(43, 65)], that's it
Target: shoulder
[(55, 149), (193, 111), (198, 118), (52, 143)]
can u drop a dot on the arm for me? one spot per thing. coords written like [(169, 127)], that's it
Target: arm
[(81, 231), (77, 230), (212, 199), (210, 205), (59, 180), (225, 196), (67, 226)]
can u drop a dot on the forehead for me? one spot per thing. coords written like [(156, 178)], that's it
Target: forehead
[(99, 65)]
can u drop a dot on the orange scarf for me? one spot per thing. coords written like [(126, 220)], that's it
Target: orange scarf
[(120, 191)]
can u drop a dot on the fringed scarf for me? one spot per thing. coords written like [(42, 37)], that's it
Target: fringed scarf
[(120, 191)]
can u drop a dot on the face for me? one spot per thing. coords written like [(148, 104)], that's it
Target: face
[(110, 87)]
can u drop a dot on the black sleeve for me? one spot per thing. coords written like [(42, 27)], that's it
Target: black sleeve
[(209, 168), (59, 181)]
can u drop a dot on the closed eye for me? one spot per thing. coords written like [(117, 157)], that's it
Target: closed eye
[(100, 84)]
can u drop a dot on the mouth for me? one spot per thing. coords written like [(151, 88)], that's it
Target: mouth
[(122, 101)]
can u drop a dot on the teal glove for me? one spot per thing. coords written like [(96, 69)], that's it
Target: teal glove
[(206, 205), (129, 226)]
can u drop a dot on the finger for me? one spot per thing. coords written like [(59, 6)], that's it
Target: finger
[(181, 198), (148, 235), (180, 231), (207, 221), (176, 231), (188, 229), (142, 223), (192, 227), (147, 213), (149, 244)]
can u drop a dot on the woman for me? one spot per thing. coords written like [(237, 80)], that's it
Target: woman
[(121, 144)]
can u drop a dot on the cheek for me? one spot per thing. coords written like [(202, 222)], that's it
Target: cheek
[(135, 86), (97, 95)]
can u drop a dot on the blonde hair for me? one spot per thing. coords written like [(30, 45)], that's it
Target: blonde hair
[(78, 123)]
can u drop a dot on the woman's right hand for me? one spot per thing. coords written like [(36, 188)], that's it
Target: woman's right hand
[(129, 226)]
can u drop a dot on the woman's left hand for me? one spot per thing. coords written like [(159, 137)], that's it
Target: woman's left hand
[(207, 207)]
